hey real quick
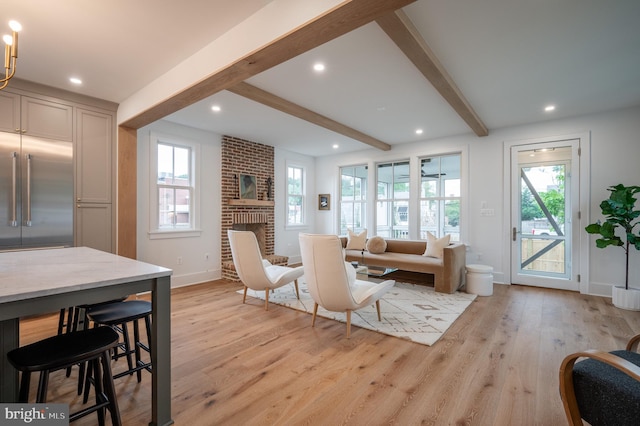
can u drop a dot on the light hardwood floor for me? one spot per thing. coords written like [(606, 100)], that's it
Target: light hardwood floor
[(235, 364)]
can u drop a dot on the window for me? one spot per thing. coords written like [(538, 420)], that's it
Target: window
[(295, 196), (174, 180), (353, 198), (440, 196), (392, 202), (174, 186)]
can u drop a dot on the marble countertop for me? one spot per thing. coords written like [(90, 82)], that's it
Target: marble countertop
[(33, 273)]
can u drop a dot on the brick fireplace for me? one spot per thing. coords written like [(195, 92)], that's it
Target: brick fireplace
[(248, 158)]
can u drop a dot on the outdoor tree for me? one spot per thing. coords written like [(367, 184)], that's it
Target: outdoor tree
[(530, 210), (452, 212)]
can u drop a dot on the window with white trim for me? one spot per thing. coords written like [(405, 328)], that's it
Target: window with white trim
[(440, 196), (392, 200), (353, 198), (295, 196), (173, 201)]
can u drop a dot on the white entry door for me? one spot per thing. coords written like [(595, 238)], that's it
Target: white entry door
[(545, 201)]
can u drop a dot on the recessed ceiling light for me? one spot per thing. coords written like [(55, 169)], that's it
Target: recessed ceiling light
[(75, 80), (549, 108), (318, 67), (419, 131), (335, 146), (216, 108)]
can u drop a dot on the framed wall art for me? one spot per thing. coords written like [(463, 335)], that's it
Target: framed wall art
[(248, 188), (324, 201)]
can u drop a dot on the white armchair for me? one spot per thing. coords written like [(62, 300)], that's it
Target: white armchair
[(255, 273), (328, 281)]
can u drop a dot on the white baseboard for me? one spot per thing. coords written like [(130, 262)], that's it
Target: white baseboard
[(195, 278), (599, 289), (498, 278)]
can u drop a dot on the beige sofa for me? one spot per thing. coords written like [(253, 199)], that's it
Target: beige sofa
[(406, 255)]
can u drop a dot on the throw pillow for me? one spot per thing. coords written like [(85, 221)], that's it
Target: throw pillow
[(435, 246), (356, 241), (376, 245)]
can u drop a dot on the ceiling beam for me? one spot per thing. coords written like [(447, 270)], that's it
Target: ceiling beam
[(347, 16), (401, 30), (269, 99)]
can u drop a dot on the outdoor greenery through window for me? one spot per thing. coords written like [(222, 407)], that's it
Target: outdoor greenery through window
[(540, 212), (440, 196), (353, 198), (295, 195), (544, 245), (175, 187), (392, 200)]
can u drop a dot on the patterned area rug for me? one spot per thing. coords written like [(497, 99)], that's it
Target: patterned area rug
[(409, 311)]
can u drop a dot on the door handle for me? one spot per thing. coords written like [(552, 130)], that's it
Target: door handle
[(14, 185), (28, 221), (515, 234)]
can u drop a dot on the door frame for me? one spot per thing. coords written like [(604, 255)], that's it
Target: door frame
[(584, 182)]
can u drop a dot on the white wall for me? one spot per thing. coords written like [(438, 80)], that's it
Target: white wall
[(615, 151), (195, 267)]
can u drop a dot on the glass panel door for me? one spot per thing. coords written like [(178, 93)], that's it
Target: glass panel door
[(544, 203)]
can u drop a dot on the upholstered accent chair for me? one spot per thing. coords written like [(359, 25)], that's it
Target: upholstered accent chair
[(255, 272), (328, 280), (604, 388)]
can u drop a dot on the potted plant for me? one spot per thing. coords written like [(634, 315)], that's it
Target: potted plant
[(620, 211)]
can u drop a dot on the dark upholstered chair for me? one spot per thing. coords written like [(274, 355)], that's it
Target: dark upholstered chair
[(604, 388)]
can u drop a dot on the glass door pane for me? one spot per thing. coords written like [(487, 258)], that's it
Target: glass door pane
[(542, 213)]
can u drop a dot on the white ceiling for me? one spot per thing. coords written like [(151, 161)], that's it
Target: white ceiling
[(509, 58)]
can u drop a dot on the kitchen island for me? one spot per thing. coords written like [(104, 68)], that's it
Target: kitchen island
[(44, 281)]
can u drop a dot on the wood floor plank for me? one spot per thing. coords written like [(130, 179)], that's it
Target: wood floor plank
[(234, 363)]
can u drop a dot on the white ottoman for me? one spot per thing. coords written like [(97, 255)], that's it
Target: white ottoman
[(480, 280)]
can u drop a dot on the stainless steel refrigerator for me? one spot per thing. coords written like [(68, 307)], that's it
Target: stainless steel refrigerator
[(36, 192)]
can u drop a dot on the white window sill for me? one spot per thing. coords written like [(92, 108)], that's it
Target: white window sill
[(296, 227), (160, 234)]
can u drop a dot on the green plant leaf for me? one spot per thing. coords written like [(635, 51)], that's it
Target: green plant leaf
[(602, 243), (594, 228)]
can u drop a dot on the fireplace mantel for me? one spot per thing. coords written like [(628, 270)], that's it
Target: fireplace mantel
[(259, 203)]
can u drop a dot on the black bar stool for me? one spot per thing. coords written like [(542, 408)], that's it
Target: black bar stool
[(117, 316), (65, 327), (64, 350), (77, 320)]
